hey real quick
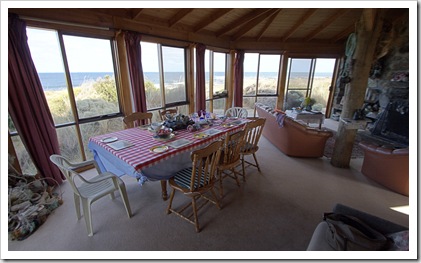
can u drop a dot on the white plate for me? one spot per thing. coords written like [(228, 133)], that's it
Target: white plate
[(200, 135), (109, 139), (159, 149)]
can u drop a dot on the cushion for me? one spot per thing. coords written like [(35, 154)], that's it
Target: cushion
[(183, 178), (400, 241)]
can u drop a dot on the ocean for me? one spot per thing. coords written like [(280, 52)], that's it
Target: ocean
[(57, 81)]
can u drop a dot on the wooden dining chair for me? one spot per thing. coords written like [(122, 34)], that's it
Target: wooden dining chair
[(236, 112), (90, 190), (137, 118), (253, 130), (163, 113), (197, 182), (230, 158)]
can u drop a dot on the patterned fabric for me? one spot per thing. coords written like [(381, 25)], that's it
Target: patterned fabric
[(139, 156), (280, 117), (183, 178)]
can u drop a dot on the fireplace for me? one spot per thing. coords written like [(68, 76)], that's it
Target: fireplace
[(393, 122)]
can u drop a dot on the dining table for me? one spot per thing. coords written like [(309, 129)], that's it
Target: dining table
[(138, 152)]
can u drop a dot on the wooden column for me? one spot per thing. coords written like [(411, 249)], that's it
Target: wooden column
[(230, 80), (368, 32), (282, 80)]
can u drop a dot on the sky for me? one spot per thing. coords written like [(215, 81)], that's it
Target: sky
[(94, 55)]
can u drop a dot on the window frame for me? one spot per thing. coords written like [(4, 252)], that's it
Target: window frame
[(77, 122), (212, 95), (258, 96)]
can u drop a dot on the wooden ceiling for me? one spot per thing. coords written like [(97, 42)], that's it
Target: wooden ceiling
[(321, 31)]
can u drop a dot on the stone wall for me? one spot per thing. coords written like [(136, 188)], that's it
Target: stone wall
[(389, 78)]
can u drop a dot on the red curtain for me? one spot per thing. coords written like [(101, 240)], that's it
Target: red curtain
[(134, 59), (200, 77), (28, 106), (238, 78)]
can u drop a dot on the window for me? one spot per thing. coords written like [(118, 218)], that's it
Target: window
[(309, 78), (78, 78), (260, 84), (164, 72), (215, 70)]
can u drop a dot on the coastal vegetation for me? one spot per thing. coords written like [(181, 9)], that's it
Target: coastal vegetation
[(99, 97)]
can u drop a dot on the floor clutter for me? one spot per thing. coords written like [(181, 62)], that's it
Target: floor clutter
[(31, 201)]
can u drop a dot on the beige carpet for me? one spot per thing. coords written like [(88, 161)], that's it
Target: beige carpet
[(276, 210)]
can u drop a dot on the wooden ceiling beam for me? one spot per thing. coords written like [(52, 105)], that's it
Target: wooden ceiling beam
[(344, 33), (268, 23), (297, 25), (242, 20), (252, 23), (212, 18), (136, 13), (180, 15), (326, 23)]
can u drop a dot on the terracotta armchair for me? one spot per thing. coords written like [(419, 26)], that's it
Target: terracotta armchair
[(388, 167), (293, 138)]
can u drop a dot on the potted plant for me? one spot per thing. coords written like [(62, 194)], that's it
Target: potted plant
[(308, 103)]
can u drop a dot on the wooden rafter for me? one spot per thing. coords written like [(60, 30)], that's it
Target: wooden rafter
[(344, 33), (268, 23), (326, 23), (248, 26), (242, 20), (136, 13), (177, 17), (212, 18), (297, 25)]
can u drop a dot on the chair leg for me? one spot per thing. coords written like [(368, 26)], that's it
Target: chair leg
[(235, 176), (123, 193), (257, 164), (170, 201), (88, 217), (244, 169), (196, 220), (221, 190), (216, 198), (77, 206)]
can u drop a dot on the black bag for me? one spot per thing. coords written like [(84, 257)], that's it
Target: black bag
[(349, 233)]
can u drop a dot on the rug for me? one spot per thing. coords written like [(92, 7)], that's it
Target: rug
[(357, 151)]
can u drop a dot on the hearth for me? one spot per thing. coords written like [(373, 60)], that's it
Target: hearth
[(393, 122)]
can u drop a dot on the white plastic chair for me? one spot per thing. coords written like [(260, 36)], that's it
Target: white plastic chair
[(90, 190), (236, 112)]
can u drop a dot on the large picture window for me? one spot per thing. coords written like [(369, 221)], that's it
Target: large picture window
[(215, 71), (260, 83), (78, 78), (164, 71), (309, 77)]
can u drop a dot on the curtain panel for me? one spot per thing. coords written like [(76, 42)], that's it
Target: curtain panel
[(200, 77), (134, 60), (28, 106), (238, 78)]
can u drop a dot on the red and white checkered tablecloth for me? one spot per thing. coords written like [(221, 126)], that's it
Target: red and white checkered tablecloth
[(139, 155)]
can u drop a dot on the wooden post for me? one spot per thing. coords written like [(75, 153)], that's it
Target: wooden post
[(368, 33)]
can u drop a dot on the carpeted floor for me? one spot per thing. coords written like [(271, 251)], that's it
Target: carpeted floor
[(271, 215)]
